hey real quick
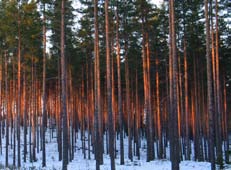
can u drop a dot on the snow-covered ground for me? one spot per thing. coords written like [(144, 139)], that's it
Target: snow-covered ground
[(84, 164)]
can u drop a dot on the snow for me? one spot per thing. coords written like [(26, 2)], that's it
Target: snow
[(84, 164)]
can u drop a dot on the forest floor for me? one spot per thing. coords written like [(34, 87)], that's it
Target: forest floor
[(79, 163)]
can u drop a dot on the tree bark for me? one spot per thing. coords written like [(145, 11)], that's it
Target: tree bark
[(19, 90), (119, 90), (209, 90), (25, 116), (174, 136), (64, 84), (187, 142), (109, 90), (6, 112), (218, 91), (97, 112), (44, 91)]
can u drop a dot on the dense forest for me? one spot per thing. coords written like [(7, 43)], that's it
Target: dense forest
[(126, 70)]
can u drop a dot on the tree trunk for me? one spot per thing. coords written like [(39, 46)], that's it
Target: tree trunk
[(128, 109), (187, 142), (159, 124), (209, 90), (226, 136), (109, 90), (218, 93), (19, 90), (97, 113), (137, 120), (1, 103), (119, 90), (25, 116), (6, 111), (174, 136), (64, 84), (44, 91)]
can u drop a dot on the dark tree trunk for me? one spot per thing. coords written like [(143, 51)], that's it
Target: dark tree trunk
[(119, 90), (128, 109), (6, 111), (159, 125), (33, 111), (174, 136), (63, 99), (226, 137), (24, 116), (19, 90), (44, 91), (97, 112), (187, 142), (1, 104), (218, 92), (109, 90), (209, 90)]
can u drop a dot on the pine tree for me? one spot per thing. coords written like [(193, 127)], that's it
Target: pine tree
[(174, 137), (209, 89), (44, 89), (97, 112), (119, 88), (19, 87), (63, 82), (109, 90)]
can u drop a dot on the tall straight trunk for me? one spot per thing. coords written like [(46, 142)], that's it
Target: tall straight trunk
[(137, 119), (174, 136), (197, 92), (37, 124), (149, 108), (187, 142), (129, 117), (200, 104), (12, 92), (92, 105), (30, 125), (19, 90), (44, 91), (226, 137), (169, 80), (63, 99), (196, 112), (72, 123), (159, 125), (114, 104), (1, 104), (209, 90), (205, 119), (6, 111), (214, 83), (147, 91), (97, 113), (145, 96), (37, 105), (127, 96), (24, 116), (59, 112), (119, 90), (181, 122), (218, 91), (82, 106), (87, 107), (33, 111), (109, 90), (113, 98)]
